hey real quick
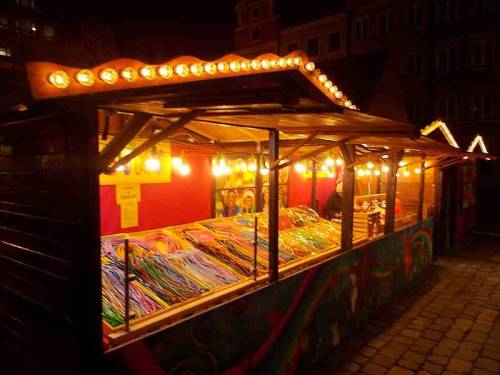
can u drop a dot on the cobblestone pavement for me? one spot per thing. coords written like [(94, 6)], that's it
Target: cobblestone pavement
[(447, 322)]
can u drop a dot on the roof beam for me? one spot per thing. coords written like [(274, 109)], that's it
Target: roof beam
[(117, 144), (158, 137), (307, 155), (302, 142)]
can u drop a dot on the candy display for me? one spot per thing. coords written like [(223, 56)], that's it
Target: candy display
[(176, 264)]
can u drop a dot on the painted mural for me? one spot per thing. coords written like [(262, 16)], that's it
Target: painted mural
[(289, 326)]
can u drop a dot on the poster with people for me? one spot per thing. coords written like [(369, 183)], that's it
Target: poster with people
[(236, 190)]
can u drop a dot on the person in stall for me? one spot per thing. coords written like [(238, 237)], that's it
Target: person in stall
[(247, 205), (333, 206), (231, 207)]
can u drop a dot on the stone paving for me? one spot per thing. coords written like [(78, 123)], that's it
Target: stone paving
[(446, 322)]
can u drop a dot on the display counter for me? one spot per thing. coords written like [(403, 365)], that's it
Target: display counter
[(289, 325)]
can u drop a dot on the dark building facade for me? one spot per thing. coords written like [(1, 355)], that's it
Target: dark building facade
[(412, 60)]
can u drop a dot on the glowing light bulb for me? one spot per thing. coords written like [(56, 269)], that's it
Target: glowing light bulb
[(376, 172), (85, 77), (333, 89), (406, 173), (322, 78), (176, 161), (211, 68), (121, 168), (59, 79), (235, 66), (329, 161), (129, 74), (166, 71), (385, 169), (252, 167), (370, 165), (298, 60), (255, 64), (418, 171), (290, 62), (339, 94), (426, 164), (274, 63), (265, 64), (465, 157), (397, 174), (310, 66), (324, 168), (328, 84), (148, 72), (245, 65), (339, 162), (282, 62), (216, 170), (184, 169), (385, 156), (264, 171), (402, 163), (300, 168), (348, 103), (361, 172), (196, 69), (109, 75), (182, 70), (243, 166), (152, 164), (223, 67), (368, 172)]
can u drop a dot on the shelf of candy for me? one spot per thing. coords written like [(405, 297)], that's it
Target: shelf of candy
[(176, 264)]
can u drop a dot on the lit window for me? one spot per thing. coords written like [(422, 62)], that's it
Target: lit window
[(333, 42), (5, 50), (414, 15), (313, 47)]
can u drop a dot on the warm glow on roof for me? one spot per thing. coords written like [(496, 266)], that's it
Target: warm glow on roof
[(49, 80), (478, 140), (438, 124)]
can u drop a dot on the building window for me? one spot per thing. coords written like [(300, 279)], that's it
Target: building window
[(414, 63), (361, 28), (447, 108), (414, 112), (255, 34), (292, 47), (313, 46), (482, 53), (5, 50), (414, 15), (386, 23), (4, 22), (447, 59), (255, 12), (333, 41), (446, 11), (482, 106), (48, 33)]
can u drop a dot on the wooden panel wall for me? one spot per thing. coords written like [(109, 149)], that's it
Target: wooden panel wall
[(49, 243)]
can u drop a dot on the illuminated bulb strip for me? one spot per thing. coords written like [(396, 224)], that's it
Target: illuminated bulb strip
[(478, 140), (438, 124)]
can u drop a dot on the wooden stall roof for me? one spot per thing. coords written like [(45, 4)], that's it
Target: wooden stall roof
[(228, 104)]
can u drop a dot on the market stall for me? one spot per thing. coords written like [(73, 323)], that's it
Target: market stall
[(181, 207)]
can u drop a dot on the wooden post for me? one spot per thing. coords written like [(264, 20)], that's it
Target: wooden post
[(273, 204), (348, 153), (420, 213), (313, 185), (258, 184), (390, 191)]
